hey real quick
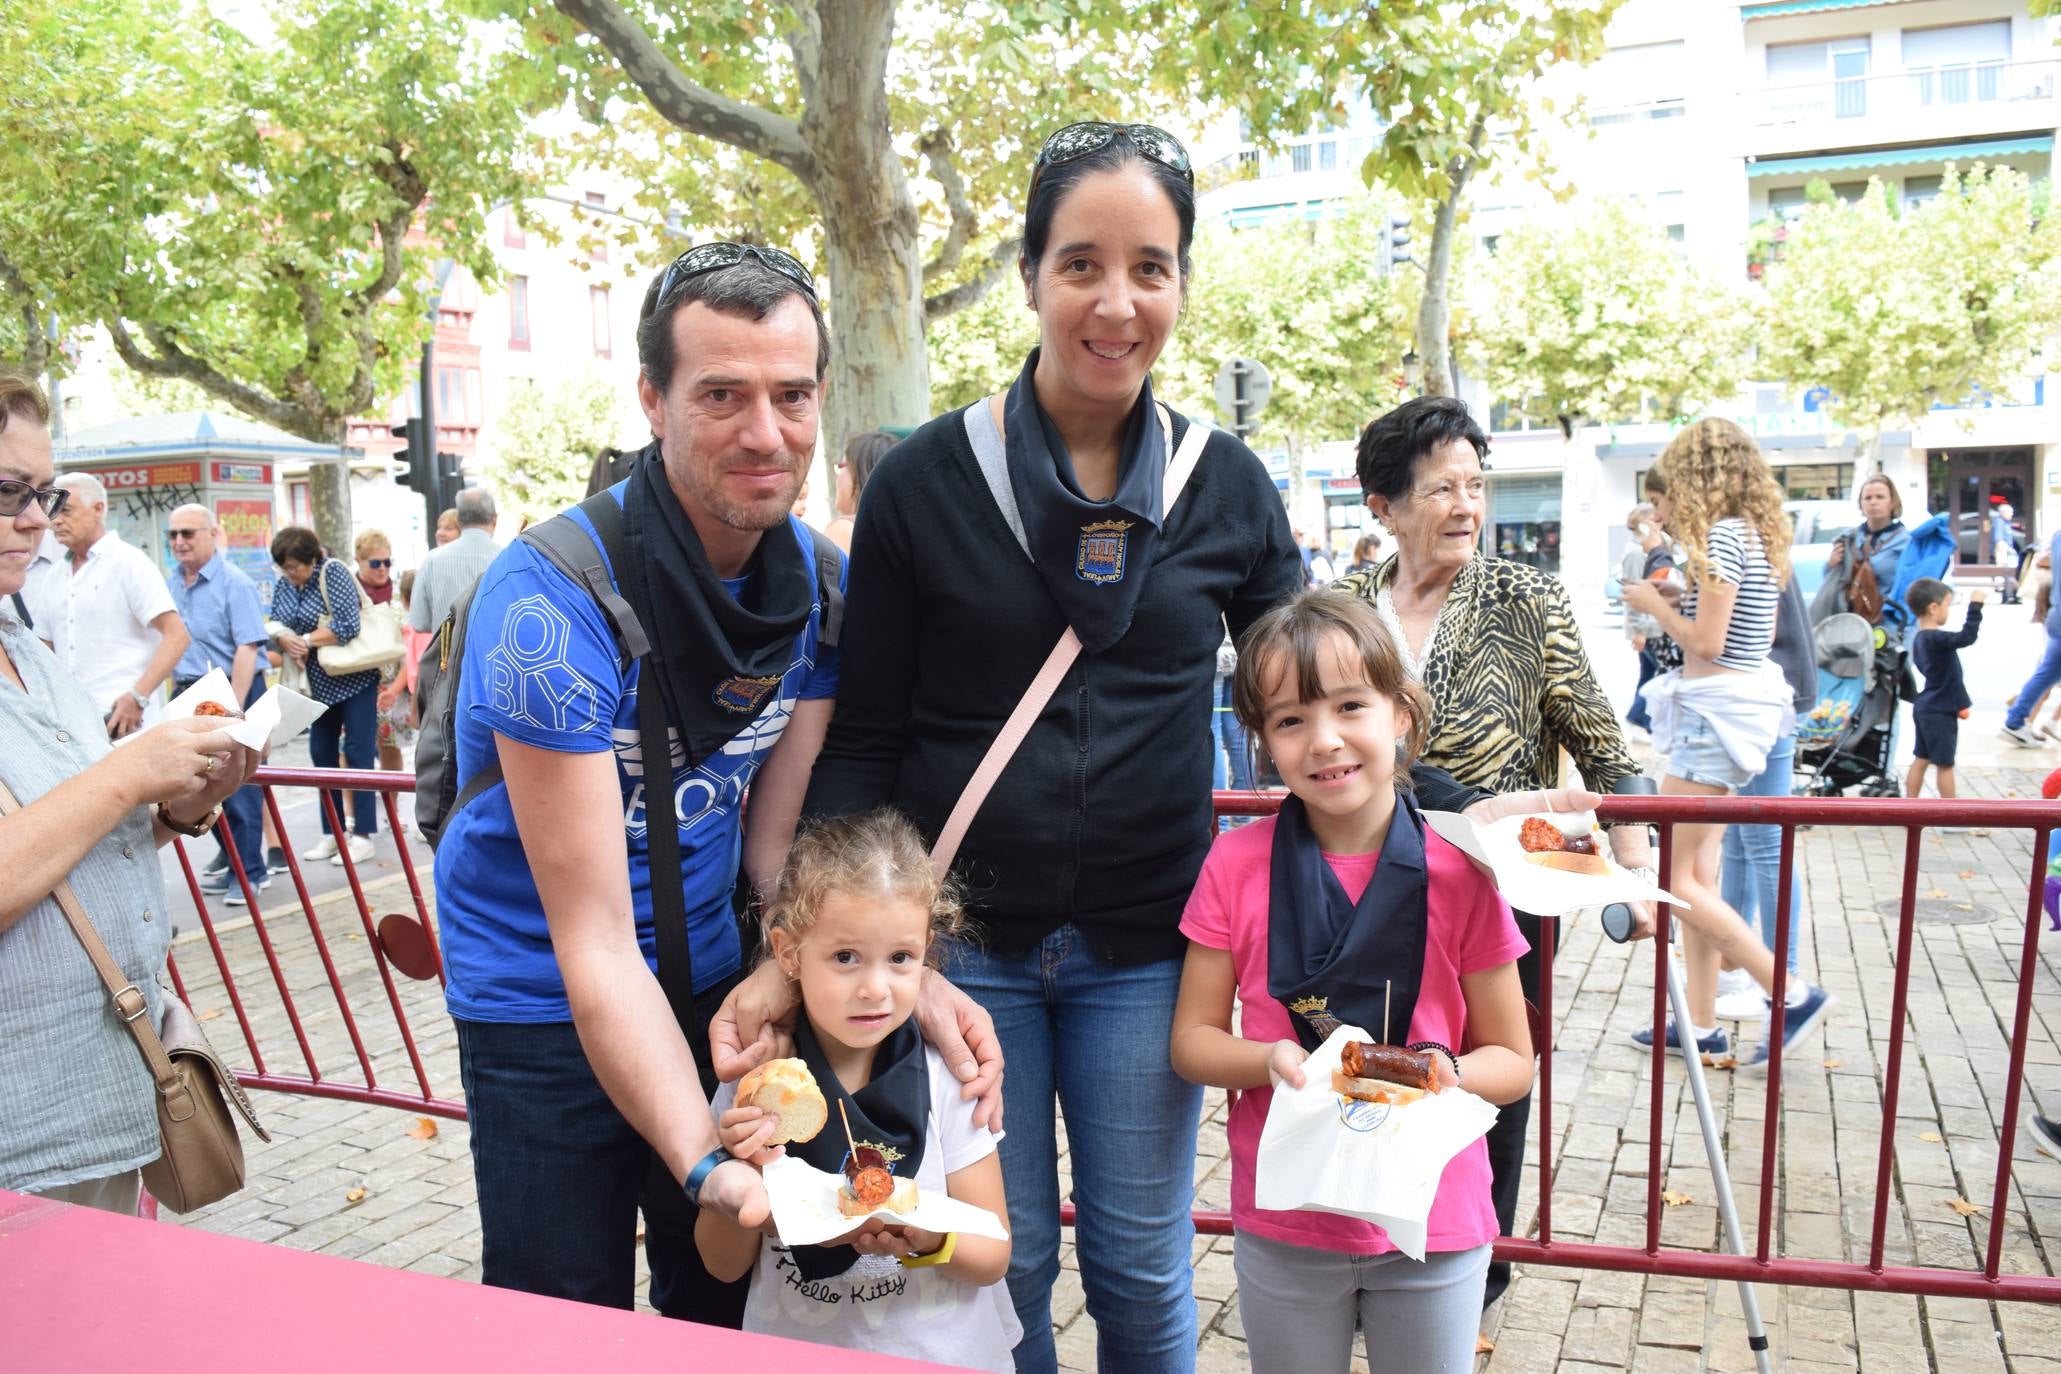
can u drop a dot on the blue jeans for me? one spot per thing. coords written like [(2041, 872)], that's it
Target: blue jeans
[(1095, 1034), (243, 813), (1648, 666), (2043, 677), (1752, 870), (355, 720), (561, 1177), (1230, 739)]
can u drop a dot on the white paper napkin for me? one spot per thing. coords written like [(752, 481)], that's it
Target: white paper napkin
[(1322, 1152), (1542, 891), (272, 719), (805, 1207)]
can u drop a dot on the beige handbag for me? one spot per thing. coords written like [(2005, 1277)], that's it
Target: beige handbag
[(203, 1158), (378, 643)]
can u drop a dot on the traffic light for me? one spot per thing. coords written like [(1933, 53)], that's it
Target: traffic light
[(1398, 241), (412, 462), (450, 480)]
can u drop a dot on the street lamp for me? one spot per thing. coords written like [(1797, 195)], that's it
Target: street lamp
[(1413, 371)]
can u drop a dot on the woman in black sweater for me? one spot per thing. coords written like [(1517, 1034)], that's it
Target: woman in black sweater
[(984, 536)]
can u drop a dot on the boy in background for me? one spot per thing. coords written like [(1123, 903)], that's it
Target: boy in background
[(1936, 653)]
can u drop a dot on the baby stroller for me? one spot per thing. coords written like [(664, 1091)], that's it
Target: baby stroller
[(1849, 738)]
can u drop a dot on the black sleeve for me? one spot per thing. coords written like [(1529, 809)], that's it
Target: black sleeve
[(1970, 627), (1276, 571), (1438, 790), (856, 768)]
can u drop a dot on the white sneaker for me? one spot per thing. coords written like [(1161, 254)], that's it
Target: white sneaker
[(361, 851), (1731, 980), (2020, 736), (1749, 1004), (325, 848)]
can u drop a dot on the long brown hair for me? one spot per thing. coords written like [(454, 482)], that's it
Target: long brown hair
[(1714, 471)]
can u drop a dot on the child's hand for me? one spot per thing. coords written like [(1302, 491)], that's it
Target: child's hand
[(744, 1132), (1979, 595), (866, 1238), (1284, 1064), (899, 1242)]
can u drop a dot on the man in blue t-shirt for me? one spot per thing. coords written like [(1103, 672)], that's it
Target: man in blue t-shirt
[(586, 1099)]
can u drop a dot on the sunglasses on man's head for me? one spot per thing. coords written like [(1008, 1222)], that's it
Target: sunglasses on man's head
[(15, 497), (1077, 141), (379, 562), (714, 257)]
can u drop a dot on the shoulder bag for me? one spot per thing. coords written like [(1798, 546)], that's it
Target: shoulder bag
[(1049, 676), (1863, 590), (202, 1160), (378, 642)]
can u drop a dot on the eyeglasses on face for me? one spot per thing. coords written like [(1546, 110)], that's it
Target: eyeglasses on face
[(1077, 141), (178, 536), (377, 563), (15, 497), (714, 257)]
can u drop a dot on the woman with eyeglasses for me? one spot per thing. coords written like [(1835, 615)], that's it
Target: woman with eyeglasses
[(83, 1112), (375, 556), (984, 537)]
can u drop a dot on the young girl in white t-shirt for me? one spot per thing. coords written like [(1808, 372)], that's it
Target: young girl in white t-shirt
[(1344, 908), (852, 923)]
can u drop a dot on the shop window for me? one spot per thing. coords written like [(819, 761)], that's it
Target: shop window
[(1524, 520)]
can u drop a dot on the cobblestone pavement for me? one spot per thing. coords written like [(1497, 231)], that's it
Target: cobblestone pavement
[(375, 1184)]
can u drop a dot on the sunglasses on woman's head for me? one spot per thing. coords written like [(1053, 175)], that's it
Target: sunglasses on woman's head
[(15, 497), (714, 257), (1077, 141)]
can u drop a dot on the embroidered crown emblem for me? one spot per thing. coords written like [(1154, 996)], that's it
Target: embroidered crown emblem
[(1304, 1006), (887, 1152), (1103, 546), (744, 695)]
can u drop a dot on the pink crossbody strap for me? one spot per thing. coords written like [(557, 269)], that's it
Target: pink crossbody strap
[(1045, 683)]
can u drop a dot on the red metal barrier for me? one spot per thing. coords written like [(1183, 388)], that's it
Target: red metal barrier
[(1912, 817)]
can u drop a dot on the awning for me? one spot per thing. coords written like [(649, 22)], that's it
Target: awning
[(1900, 157), (1777, 8)]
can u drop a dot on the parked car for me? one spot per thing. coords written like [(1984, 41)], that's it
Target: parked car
[(1818, 526), (1968, 537)]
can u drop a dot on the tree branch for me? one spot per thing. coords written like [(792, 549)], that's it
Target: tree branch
[(957, 298), (686, 103), (175, 363), (937, 151), (35, 344)]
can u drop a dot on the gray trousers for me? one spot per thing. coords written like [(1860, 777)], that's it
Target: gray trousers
[(1298, 1306)]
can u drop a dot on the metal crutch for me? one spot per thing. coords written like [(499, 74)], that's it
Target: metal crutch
[(1618, 925)]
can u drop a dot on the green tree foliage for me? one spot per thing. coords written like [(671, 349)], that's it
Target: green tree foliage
[(1451, 83), (1894, 311), (1308, 300), (262, 221), (546, 441), (1600, 318)]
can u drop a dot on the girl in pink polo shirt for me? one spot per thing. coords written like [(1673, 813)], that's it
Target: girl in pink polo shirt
[(1343, 903)]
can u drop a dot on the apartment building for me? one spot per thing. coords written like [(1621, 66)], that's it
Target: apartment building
[(1714, 117)]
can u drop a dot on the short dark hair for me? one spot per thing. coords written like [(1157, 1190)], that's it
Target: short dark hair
[(746, 288), (1050, 185), (296, 544), (862, 453), (1926, 593), (1391, 445)]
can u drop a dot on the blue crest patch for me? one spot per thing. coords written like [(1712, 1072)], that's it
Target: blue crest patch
[(744, 696), (1362, 1117), (1103, 545)]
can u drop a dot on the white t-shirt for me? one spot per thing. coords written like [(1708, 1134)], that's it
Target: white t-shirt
[(100, 623), (877, 1305)]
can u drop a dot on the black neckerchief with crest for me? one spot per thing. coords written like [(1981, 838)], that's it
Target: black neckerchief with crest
[(1331, 960), (1092, 555), (891, 1114)]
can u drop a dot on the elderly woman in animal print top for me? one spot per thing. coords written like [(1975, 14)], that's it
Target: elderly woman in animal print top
[(1495, 644)]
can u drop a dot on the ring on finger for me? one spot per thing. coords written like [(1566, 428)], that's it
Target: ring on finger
[(214, 762)]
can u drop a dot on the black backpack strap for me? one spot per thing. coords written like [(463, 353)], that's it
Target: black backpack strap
[(571, 550), (829, 571), (21, 610)]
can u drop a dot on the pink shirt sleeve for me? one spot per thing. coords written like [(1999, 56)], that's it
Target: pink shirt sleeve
[(1207, 919), (1489, 937)]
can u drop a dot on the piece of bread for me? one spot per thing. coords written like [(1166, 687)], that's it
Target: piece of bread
[(902, 1200), (1595, 865), (786, 1088), (1373, 1089)]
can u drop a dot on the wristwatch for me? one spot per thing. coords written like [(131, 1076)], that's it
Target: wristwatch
[(142, 701), (192, 830), (698, 1175)]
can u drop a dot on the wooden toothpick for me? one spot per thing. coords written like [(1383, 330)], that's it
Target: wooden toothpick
[(1385, 990), (845, 1116)]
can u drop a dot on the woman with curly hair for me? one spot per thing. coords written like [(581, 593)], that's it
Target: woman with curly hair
[(1718, 711)]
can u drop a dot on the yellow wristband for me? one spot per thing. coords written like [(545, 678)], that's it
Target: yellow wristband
[(941, 1255)]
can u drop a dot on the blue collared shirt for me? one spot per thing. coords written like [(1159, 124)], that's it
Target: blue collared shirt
[(222, 612)]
